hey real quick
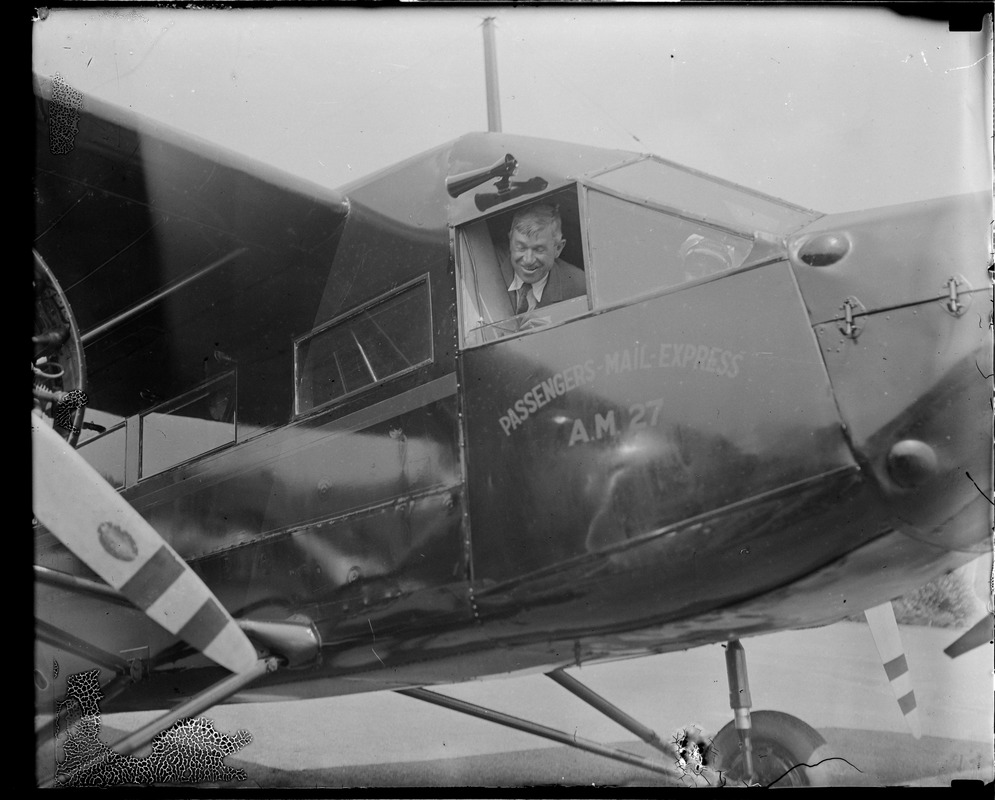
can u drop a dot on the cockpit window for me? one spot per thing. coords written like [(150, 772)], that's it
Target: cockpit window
[(636, 250), (703, 197), (196, 423), (378, 341), (522, 269)]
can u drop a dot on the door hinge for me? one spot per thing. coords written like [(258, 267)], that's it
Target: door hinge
[(956, 300), (851, 308)]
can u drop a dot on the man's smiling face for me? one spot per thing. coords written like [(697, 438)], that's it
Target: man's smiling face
[(533, 256)]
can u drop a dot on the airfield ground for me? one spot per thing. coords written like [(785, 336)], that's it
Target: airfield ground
[(830, 677)]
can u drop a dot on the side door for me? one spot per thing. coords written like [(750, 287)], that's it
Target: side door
[(689, 381)]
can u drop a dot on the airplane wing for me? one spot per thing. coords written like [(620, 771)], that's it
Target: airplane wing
[(145, 231), (146, 228)]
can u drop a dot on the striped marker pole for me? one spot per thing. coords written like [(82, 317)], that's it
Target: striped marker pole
[(102, 529), (888, 640)]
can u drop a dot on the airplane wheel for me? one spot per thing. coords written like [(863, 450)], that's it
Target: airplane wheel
[(780, 742)]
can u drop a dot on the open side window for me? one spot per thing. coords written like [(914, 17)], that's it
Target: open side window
[(198, 422), (483, 252)]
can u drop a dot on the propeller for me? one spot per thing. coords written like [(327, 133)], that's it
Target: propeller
[(103, 530)]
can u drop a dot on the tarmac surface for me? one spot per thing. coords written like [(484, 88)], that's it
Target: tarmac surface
[(829, 677)]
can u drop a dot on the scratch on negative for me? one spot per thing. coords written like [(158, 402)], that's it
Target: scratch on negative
[(954, 69), (378, 656), (972, 480), (371, 628)]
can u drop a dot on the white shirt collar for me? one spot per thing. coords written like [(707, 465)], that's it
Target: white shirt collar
[(537, 288)]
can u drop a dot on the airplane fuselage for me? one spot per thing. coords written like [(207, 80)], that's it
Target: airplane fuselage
[(338, 424)]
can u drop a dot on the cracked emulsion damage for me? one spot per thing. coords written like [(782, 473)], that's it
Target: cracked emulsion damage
[(63, 123), (189, 751), (694, 751)]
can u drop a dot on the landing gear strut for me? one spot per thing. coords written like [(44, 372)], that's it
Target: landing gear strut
[(766, 747)]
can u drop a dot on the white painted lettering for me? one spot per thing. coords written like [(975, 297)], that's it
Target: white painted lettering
[(735, 365), (611, 363), (604, 425), (713, 359), (579, 433)]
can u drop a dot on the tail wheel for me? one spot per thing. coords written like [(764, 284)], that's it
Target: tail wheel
[(781, 744), (57, 367)]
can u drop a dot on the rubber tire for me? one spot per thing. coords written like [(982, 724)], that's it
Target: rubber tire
[(780, 741)]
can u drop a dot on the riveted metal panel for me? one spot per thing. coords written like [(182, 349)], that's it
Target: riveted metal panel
[(919, 373), (611, 426)]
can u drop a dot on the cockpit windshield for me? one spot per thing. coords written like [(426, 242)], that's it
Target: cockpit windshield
[(640, 228), (700, 196)]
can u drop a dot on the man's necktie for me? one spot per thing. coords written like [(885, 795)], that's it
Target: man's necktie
[(522, 303)]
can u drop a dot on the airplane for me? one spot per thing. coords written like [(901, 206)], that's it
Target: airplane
[(292, 442)]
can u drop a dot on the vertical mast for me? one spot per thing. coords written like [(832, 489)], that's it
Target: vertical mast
[(491, 78)]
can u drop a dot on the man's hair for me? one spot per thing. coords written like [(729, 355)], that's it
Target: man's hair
[(533, 220)]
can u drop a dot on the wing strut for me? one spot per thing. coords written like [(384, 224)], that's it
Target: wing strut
[(574, 686), (534, 728)]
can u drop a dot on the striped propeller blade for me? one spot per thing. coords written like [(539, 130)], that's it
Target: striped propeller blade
[(102, 529), (888, 639)]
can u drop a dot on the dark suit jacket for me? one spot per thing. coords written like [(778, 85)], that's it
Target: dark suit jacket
[(565, 281)]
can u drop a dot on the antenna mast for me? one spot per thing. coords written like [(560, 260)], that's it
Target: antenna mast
[(491, 78)]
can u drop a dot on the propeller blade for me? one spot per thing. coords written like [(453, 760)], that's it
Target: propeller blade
[(884, 629), (102, 529), (982, 632)]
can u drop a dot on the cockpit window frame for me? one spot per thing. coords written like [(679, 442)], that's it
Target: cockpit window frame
[(181, 400), (801, 215), (385, 297), (599, 272), (470, 337)]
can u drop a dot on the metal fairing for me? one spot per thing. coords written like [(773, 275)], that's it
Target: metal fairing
[(680, 464), (924, 243), (888, 393)]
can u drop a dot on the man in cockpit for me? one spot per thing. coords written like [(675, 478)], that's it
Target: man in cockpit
[(537, 276)]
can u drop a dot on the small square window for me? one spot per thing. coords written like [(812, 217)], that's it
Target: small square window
[(385, 338), (196, 423)]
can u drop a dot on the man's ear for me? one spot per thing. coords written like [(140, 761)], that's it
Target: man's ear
[(560, 245)]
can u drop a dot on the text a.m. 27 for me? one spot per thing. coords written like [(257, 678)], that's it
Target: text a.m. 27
[(639, 416)]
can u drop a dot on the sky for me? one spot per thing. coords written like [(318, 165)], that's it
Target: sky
[(834, 108)]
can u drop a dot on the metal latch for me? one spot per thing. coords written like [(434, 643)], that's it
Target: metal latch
[(957, 300), (851, 309)]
